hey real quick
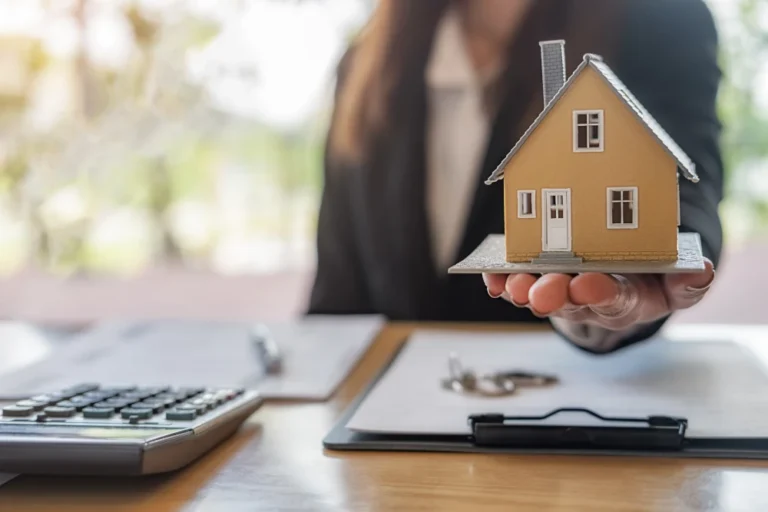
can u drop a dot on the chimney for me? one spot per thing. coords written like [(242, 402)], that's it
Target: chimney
[(552, 68)]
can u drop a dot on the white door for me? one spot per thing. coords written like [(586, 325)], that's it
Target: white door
[(557, 220)]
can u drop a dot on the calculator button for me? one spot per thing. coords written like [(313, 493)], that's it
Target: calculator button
[(17, 411), (82, 399), (105, 405), (157, 390), (190, 392), (99, 395), (227, 394), (136, 396), (156, 406), (59, 412), (211, 398), (47, 399), (37, 406), (180, 415), (207, 401), (119, 403), (80, 389), (98, 413), (175, 397), (118, 389), (141, 414), (199, 409)]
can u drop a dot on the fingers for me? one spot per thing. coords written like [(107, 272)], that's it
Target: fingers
[(612, 302), (544, 295), (495, 284), (686, 290), (549, 293), (518, 286), (594, 289)]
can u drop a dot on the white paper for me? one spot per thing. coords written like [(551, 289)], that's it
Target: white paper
[(720, 387), (318, 354), (6, 477), (22, 344)]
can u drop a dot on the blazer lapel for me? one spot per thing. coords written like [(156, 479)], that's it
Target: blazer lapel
[(518, 109)]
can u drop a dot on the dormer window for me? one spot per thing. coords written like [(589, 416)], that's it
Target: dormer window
[(588, 131)]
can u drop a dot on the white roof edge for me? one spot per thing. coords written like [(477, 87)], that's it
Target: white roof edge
[(684, 163), (498, 173)]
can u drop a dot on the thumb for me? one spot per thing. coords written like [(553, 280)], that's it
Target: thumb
[(685, 290)]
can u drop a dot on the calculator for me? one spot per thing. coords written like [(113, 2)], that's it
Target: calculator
[(93, 429)]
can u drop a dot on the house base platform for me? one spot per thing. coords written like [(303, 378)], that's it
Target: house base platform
[(490, 258)]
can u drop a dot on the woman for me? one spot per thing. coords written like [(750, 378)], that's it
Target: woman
[(432, 96)]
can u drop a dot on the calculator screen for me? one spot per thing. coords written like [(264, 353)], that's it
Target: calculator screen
[(83, 432)]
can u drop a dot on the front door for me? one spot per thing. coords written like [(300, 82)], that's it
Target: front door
[(556, 234)]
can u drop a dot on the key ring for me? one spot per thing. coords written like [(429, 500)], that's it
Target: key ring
[(466, 381), (525, 379), (491, 384)]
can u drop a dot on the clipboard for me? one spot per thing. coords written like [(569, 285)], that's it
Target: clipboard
[(496, 432)]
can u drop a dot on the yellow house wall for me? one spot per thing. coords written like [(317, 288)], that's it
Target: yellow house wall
[(631, 158)]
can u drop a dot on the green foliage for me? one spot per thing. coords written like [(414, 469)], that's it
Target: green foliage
[(187, 165), (745, 137), (13, 171), (746, 125)]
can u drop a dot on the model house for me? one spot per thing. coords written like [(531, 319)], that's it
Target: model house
[(594, 178)]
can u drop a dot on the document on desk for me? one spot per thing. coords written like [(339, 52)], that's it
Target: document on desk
[(720, 387), (318, 353)]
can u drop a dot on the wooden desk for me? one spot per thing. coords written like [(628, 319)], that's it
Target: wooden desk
[(277, 462)]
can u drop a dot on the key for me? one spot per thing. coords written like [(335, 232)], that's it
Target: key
[(180, 415), (117, 403), (98, 413), (199, 409), (141, 414), (155, 406), (59, 412), (79, 389), (17, 411), (37, 406), (522, 378)]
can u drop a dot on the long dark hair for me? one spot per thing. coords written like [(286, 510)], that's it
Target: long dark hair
[(386, 62)]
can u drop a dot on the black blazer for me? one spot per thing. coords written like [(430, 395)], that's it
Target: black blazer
[(373, 249)]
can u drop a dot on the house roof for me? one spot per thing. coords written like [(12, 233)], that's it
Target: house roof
[(684, 163)]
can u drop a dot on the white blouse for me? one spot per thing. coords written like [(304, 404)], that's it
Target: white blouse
[(458, 129)]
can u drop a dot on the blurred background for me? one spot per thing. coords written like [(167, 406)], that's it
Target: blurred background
[(164, 157)]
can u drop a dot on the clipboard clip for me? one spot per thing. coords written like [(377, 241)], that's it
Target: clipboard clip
[(624, 433)]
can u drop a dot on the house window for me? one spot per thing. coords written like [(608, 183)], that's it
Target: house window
[(588, 130), (622, 208), (526, 204), (556, 206)]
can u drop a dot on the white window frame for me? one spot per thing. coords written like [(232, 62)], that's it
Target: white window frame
[(609, 207), (532, 195), (600, 124)]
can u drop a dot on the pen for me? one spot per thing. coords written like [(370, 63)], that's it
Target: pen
[(267, 350)]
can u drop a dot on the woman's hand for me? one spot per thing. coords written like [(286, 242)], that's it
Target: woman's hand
[(614, 302)]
